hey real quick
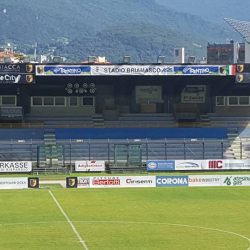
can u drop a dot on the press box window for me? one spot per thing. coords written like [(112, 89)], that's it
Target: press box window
[(9, 100), (37, 101), (244, 100), (233, 101), (48, 101), (59, 101), (87, 101), (73, 101), (220, 100)]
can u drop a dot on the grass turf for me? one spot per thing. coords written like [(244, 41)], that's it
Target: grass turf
[(119, 219)]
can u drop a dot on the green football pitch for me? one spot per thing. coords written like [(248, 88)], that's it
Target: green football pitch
[(119, 219)]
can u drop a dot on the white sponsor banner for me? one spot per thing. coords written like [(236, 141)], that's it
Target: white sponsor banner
[(83, 182), (146, 94), (14, 183), (138, 181), (132, 70), (188, 165), (106, 182), (225, 164), (89, 166), (204, 180), (235, 180), (15, 166), (193, 94)]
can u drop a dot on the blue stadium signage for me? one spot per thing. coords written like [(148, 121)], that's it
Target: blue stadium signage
[(160, 165), (200, 70), (171, 181), (62, 70)]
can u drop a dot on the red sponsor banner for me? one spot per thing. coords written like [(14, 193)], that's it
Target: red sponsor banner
[(103, 181)]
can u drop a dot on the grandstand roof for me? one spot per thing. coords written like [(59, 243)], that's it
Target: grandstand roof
[(242, 27)]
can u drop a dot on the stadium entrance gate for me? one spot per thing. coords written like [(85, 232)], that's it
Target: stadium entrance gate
[(50, 156)]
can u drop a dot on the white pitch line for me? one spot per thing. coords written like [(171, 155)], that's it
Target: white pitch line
[(69, 221)]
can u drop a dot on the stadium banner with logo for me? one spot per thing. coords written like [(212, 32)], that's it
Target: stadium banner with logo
[(148, 94), (243, 68), (158, 70), (62, 70), (235, 180), (17, 68), (16, 78), (83, 182), (18, 182), (193, 94), (242, 78), (188, 165), (89, 166), (138, 181), (106, 182), (204, 180), (15, 166), (71, 182), (161, 165), (171, 181), (201, 70)]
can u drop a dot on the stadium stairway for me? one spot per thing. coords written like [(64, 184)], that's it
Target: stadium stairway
[(98, 121), (205, 120), (235, 143), (51, 153)]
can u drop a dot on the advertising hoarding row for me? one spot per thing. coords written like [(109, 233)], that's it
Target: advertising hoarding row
[(19, 182), (183, 165), (158, 181), (86, 70)]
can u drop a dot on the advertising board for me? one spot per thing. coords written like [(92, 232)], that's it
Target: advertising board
[(16, 78), (83, 182), (89, 166), (188, 165), (171, 181), (204, 180), (160, 165), (105, 182), (15, 166), (193, 94), (62, 70), (148, 94), (19, 182), (235, 180), (138, 181), (225, 164), (200, 70)]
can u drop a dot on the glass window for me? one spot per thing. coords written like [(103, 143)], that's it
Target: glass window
[(37, 101), (59, 101), (220, 100), (9, 100), (87, 101), (73, 101), (233, 100), (244, 100), (48, 101)]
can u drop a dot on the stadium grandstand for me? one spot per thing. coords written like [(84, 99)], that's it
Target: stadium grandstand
[(124, 114)]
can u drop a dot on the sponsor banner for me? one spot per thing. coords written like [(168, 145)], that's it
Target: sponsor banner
[(235, 180), (160, 165), (14, 183), (16, 78), (188, 165), (225, 164), (83, 182), (148, 94), (11, 111), (204, 180), (62, 70), (193, 94), (106, 182), (200, 70), (138, 181), (89, 166), (15, 166), (132, 70), (242, 78), (71, 182), (17, 68), (171, 181)]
